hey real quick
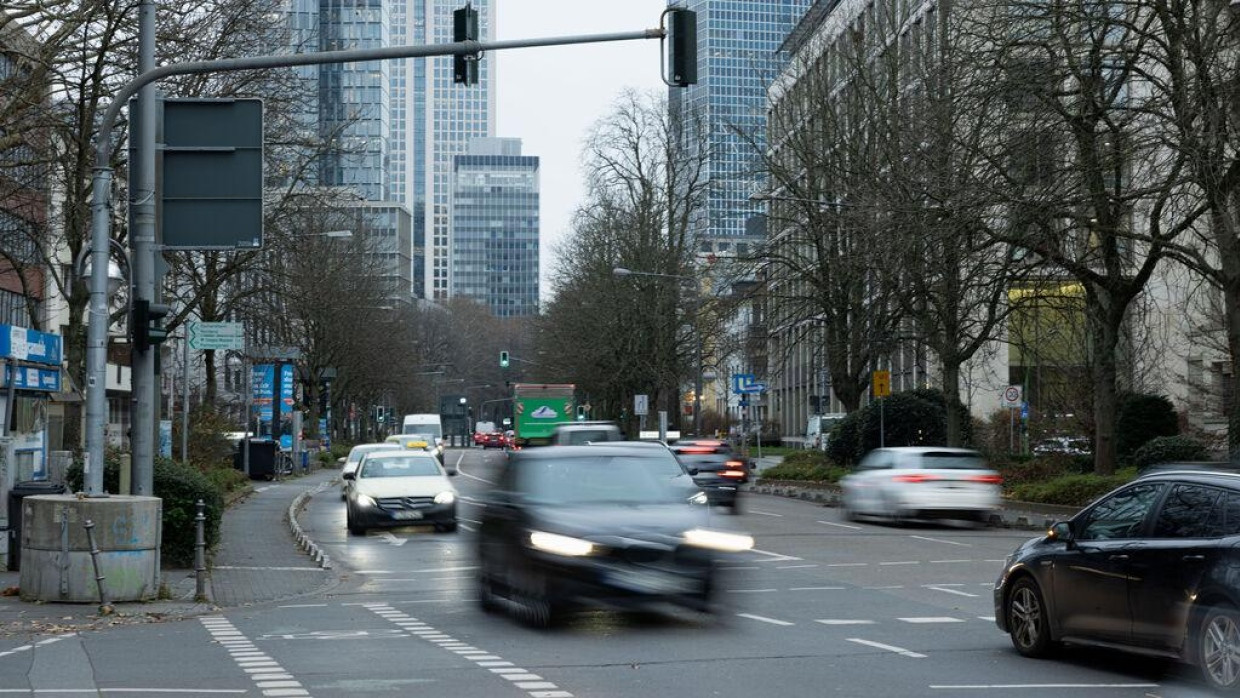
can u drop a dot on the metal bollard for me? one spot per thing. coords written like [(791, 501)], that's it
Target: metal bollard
[(200, 554), (105, 604)]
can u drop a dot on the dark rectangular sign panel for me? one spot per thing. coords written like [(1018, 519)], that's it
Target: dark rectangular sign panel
[(210, 169)]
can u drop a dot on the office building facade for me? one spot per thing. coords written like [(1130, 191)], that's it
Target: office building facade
[(495, 227)]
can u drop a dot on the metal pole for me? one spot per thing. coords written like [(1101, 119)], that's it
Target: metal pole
[(142, 253), (200, 554), (185, 402), (697, 384), (105, 604), (11, 397), (249, 413)]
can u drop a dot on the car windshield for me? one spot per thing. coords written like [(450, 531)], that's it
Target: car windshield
[(398, 467), (949, 460), (628, 479), (358, 452), (581, 437)]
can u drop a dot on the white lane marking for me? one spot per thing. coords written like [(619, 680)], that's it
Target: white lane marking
[(742, 567), (940, 562), (994, 686), (765, 513), (889, 648), (764, 619), (268, 569), (889, 586), (994, 560), (815, 588), (931, 619), (370, 572), (471, 477), (533, 684), (264, 488), (832, 523), (189, 691), (794, 567), (751, 591), (902, 562), (434, 570), (303, 605), (848, 564), (843, 621), (943, 588), (259, 667), (774, 557), (940, 540), (989, 618), (40, 643)]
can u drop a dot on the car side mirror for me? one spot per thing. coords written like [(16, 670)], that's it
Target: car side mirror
[(1060, 531), (349, 476), (340, 460)]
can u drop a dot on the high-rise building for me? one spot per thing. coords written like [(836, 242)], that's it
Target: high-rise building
[(737, 56), (495, 227), (433, 120)]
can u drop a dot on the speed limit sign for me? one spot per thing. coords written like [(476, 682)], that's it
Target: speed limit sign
[(1011, 397)]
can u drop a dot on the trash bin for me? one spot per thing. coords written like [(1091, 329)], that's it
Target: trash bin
[(19, 491), (262, 459)]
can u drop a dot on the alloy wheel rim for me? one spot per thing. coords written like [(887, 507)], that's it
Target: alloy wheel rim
[(1221, 650), (1026, 617)]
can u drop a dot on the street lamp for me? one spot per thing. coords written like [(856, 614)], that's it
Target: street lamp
[(697, 334)]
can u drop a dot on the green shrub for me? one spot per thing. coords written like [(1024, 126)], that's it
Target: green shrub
[(1069, 490), (1168, 449), (805, 469), (909, 418), (842, 441), (1142, 417), (1040, 469), (180, 487), (228, 479)]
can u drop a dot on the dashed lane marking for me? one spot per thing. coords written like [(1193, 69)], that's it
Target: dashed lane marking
[(267, 674), (774, 557), (931, 619), (1003, 686), (901, 562), (815, 588), (840, 525), (765, 513), (764, 619), (944, 588), (889, 648), (843, 621), (533, 684), (940, 540), (40, 643), (794, 567)]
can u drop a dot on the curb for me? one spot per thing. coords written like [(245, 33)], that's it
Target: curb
[(1015, 515), (304, 541)]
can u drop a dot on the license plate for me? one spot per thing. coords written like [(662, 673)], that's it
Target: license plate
[(407, 515), (650, 582)]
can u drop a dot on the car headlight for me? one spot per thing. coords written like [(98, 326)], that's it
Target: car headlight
[(699, 498), (445, 498), (718, 540), (560, 545), (366, 500)]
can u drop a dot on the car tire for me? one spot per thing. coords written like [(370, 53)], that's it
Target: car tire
[(1027, 621), (487, 599), (1218, 647), (351, 523)]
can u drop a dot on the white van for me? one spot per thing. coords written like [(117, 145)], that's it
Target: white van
[(423, 424)]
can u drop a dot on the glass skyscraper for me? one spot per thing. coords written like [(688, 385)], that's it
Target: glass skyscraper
[(433, 120), (495, 227), (737, 44)]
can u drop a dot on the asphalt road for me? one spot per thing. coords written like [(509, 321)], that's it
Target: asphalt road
[(820, 607)]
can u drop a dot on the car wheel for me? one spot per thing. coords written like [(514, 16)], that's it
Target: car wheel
[(486, 594), (352, 524), (1218, 647), (1026, 619)]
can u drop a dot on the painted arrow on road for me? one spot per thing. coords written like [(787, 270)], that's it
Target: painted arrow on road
[(389, 538)]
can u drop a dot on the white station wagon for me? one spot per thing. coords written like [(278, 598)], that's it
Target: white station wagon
[(922, 482)]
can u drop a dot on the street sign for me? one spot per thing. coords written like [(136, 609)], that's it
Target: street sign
[(641, 405), (216, 336), (881, 382), (746, 383), (1011, 397)]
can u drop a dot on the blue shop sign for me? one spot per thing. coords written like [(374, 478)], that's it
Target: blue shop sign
[(30, 378), (25, 344)]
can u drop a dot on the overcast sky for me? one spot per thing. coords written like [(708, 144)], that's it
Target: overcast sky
[(551, 97)]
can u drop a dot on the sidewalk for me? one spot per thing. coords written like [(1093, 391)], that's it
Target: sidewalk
[(257, 560)]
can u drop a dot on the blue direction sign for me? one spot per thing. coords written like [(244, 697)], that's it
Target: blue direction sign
[(26, 344), (746, 383), (32, 378)]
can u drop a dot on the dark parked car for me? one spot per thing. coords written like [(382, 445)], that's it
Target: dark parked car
[(663, 462), (576, 526), (1152, 567), (716, 469)]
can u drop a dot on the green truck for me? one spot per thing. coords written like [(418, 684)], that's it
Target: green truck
[(538, 408)]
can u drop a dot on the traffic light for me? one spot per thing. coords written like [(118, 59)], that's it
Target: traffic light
[(581, 413), (465, 28), (682, 47), (147, 329), (503, 359)]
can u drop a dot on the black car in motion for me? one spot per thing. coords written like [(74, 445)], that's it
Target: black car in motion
[(716, 469), (576, 526), (1153, 567)]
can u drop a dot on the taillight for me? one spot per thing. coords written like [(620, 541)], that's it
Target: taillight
[(732, 473), (987, 479), (735, 464), (914, 478)]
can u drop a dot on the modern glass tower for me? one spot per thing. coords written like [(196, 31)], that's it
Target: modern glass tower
[(495, 227), (433, 120), (737, 45)]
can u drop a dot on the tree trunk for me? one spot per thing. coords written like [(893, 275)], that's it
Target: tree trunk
[(951, 402), (1104, 338), (209, 390), (1229, 258), (75, 360)]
